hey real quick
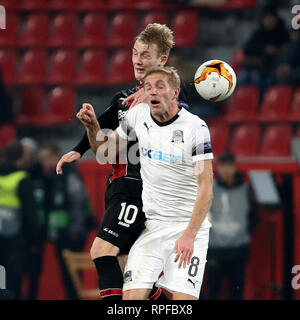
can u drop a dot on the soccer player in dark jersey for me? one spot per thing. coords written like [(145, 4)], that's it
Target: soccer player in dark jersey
[(124, 219)]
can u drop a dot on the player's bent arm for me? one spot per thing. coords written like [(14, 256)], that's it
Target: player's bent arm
[(184, 246)]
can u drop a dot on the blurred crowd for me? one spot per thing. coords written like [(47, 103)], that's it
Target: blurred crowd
[(37, 205)]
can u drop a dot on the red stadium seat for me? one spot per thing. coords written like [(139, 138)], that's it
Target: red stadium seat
[(294, 111), (149, 4), (7, 134), (9, 4), (275, 103), (245, 140), (35, 30), (92, 30), (184, 26), (31, 107), (91, 67), (243, 105), (61, 103), (152, 17), (121, 5), (32, 69), (8, 61), (58, 5), (63, 30), (32, 4), (122, 30), (219, 138), (276, 141), (87, 5), (121, 69), (61, 67), (9, 35)]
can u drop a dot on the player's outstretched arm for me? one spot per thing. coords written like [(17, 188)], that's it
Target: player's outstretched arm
[(69, 157), (184, 246), (95, 134)]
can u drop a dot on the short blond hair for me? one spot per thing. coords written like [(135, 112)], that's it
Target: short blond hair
[(173, 77), (159, 34)]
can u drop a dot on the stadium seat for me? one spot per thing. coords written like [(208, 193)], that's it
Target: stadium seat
[(219, 138), (294, 111), (149, 4), (35, 30), (122, 30), (61, 67), (91, 67), (121, 5), (8, 61), (244, 103), (61, 105), (9, 35), (92, 30), (7, 134), (58, 5), (152, 17), (32, 69), (275, 103), (245, 140), (90, 5), (184, 25), (63, 30), (32, 4), (31, 107), (9, 4), (276, 141), (120, 70)]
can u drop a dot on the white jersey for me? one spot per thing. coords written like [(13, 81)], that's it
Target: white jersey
[(167, 152)]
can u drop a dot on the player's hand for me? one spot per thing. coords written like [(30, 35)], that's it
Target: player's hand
[(69, 157), (87, 115), (136, 98), (184, 248)]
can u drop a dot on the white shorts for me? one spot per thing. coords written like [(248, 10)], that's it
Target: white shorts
[(153, 253)]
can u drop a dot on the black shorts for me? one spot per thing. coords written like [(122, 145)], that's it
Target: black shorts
[(124, 218)]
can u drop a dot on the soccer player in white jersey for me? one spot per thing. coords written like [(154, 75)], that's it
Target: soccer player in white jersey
[(176, 169)]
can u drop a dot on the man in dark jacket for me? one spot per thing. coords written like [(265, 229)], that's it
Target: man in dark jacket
[(18, 219), (233, 215)]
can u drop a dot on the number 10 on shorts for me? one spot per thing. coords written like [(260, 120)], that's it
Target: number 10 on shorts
[(127, 214)]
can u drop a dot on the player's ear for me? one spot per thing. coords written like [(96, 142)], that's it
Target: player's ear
[(163, 60), (177, 91)]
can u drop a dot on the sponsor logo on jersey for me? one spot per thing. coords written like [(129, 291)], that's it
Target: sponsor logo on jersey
[(160, 156), (111, 232), (177, 136), (128, 276), (122, 114)]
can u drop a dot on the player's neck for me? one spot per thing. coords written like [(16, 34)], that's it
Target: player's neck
[(169, 114)]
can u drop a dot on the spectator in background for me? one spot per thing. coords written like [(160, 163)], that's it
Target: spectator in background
[(18, 220), (34, 258), (262, 48), (233, 215), (6, 109), (286, 69), (67, 208)]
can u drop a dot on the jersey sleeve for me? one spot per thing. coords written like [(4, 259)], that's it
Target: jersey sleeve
[(201, 143)]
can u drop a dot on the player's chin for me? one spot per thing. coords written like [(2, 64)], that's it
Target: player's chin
[(139, 75)]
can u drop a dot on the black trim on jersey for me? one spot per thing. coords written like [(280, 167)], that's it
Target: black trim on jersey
[(162, 124), (200, 148)]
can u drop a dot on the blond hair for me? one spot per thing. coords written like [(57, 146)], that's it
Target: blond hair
[(170, 72), (159, 34)]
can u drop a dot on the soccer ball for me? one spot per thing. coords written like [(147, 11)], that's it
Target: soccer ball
[(215, 80)]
